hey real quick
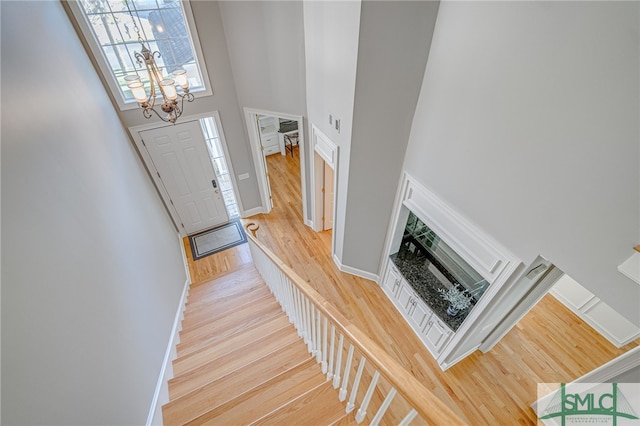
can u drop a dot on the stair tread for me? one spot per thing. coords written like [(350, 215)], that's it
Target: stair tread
[(265, 398), (347, 420), (241, 321), (233, 282), (220, 348), (212, 370), (217, 392), (318, 406), (212, 309)]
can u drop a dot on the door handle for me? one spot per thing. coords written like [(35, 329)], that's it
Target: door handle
[(214, 183)]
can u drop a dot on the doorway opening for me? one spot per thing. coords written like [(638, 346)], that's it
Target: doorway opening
[(545, 280), (324, 184), (276, 134)]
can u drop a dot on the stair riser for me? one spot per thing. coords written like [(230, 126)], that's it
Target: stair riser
[(219, 349), (218, 392), (214, 311), (194, 379), (222, 329)]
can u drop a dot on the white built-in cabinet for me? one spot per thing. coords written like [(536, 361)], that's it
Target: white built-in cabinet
[(485, 255), (269, 134), (428, 327)]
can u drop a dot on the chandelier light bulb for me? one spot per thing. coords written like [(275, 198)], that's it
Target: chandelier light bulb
[(180, 76), (137, 89), (169, 89)]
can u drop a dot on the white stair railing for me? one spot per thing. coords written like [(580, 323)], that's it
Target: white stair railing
[(318, 323)]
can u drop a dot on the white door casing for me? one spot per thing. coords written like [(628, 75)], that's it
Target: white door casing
[(181, 160), (258, 157), (328, 197)]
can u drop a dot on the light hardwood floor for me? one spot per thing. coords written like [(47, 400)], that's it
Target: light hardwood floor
[(549, 345)]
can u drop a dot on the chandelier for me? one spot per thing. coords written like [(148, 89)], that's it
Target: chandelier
[(172, 101)]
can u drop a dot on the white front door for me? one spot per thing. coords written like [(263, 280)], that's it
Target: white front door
[(180, 156)]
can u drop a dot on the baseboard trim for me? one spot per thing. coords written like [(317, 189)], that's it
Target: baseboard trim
[(161, 394), (355, 271), (252, 212)]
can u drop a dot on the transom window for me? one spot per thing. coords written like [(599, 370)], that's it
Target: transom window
[(114, 28)]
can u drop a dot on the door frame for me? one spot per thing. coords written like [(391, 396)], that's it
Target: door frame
[(324, 151), (134, 131), (256, 152)]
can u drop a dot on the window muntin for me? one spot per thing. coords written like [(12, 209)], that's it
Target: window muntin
[(163, 25)]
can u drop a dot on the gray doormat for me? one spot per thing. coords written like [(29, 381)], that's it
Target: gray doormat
[(217, 239)]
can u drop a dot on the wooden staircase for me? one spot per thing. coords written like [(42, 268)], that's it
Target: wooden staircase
[(241, 362)]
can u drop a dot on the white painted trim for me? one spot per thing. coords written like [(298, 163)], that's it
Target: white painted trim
[(355, 271), (105, 69), (166, 372), (253, 211), (254, 142), (445, 365), (540, 289), (327, 152), (153, 172), (256, 153), (613, 368), (583, 314), (630, 268)]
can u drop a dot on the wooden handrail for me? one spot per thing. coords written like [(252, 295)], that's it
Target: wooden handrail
[(430, 408), (637, 248)]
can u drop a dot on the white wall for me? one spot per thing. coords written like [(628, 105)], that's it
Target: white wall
[(527, 123), (392, 54), (91, 266), (265, 40), (331, 49)]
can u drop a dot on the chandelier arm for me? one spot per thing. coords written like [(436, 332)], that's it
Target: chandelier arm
[(147, 113)]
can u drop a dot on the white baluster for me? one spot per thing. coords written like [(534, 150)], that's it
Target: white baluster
[(331, 352), (408, 418), (314, 331), (345, 379), (309, 325), (298, 310), (325, 331), (336, 373), (305, 318), (301, 313), (356, 384), (318, 336), (383, 407), (362, 411)]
